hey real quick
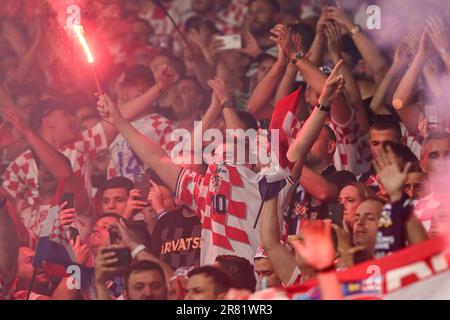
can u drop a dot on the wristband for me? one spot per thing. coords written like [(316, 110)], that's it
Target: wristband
[(136, 250), (160, 214), (323, 108)]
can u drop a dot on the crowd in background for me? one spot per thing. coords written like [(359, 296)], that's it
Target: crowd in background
[(364, 136)]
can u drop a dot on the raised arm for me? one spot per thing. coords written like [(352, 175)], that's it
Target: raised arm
[(390, 80), (438, 33), (53, 160), (341, 111), (405, 90), (366, 47), (265, 90), (224, 97), (27, 61), (316, 50), (132, 109), (148, 151), (333, 87), (334, 41), (283, 261)]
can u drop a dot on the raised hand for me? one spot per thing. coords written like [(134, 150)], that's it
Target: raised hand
[(166, 76), (221, 90), (322, 22), (81, 251), (155, 198), (127, 239), (12, 115), (334, 40), (108, 110), (251, 46), (402, 55), (67, 216), (282, 36), (438, 34), (389, 173), (134, 204), (104, 265), (333, 87), (338, 14), (317, 246), (7, 137), (424, 49)]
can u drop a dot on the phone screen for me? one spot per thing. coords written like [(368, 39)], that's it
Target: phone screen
[(69, 198), (336, 214)]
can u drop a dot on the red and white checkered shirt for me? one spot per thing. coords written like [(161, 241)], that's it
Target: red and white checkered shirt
[(21, 177), (227, 200), (124, 162), (33, 217), (425, 209), (230, 20)]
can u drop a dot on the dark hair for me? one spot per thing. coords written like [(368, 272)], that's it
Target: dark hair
[(42, 109), (196, 22), (275, 5), (305, 31), (144, 265), (240, 270), (402, 152), (380, 125), (342, 178), (75, 100), (138, 74), (222, 282), (110, 215), (118, 182)]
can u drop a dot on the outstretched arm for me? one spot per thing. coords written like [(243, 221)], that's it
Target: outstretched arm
[(148, 151), (267, 87), (333, 87), (283, 261), (369, 51), (409, 114)]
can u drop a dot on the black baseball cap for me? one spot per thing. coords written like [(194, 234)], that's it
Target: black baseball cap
[(41, 110)]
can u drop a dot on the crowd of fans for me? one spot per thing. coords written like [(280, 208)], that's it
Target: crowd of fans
[(363, 131)]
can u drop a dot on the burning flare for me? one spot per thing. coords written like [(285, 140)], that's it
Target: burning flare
[(78, 29)]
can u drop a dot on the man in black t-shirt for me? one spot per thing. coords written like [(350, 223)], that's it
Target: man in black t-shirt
[(176, 238)]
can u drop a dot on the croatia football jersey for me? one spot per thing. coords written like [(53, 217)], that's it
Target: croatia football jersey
[(21, 177), (227, 201), (124, 162)]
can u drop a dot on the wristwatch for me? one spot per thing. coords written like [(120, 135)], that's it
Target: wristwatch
[(323, 108), (228, 104), (355, 30), (298, 56)]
